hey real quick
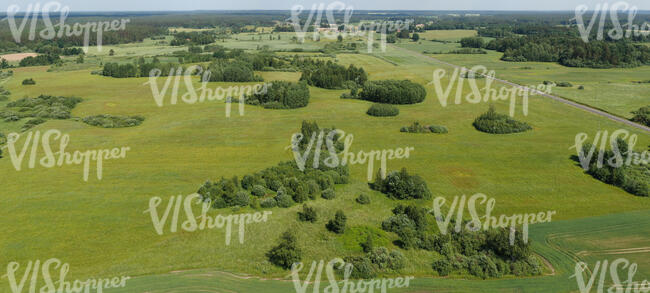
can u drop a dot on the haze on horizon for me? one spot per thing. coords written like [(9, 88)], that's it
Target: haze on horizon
[(191, 5)]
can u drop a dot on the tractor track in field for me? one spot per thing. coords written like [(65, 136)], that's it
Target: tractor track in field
[(556, 98)]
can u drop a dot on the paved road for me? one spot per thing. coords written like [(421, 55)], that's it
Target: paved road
[(561, 100)]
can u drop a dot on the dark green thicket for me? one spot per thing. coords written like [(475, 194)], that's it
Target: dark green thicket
[(41, 107), (282, 185), (492, 122), (485, 254), (633, 178), (642, 116), (110, 121), (401, 185), (382, 110), (286, 253), (282, 95), (29, 81), (393, 92)]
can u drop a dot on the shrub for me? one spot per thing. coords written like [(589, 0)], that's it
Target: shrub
[(281, 95), (563, 84), (31, 123), (642, 116), (401, 185), (258, 190), (442, 266), (393, 92), (286, 253), (29, 81), (284, 200), (42, 107), (494, 123), (110, 121), (268, 203), (438, 129), (242, 198), (416, 127), (582, 87), (363, 199), (308, 214), (382, 110), (328, 194), (337, 225)]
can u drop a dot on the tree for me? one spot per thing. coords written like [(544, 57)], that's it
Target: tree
[(416, 37), (339, 38), (4, 64), (337, 225), (308, 214), (287, 252), (80, 59), (111, 52)]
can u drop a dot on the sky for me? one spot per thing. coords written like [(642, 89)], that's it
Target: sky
[(158, 5)]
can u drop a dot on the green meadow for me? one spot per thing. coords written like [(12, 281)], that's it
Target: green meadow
[(100, 228)]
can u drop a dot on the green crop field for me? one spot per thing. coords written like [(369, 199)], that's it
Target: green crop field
[(101, 229)]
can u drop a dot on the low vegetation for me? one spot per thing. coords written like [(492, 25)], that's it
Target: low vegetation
[(382, 110), (416, 127), (110, 121), (401, 185), (492, 122), (42, 107)]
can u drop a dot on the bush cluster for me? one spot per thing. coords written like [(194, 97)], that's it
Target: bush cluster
[(376, 260), (393, 92), (485, 254), (110, 121), (330, 75), (401, 185), (286, 253), (642, 116), (282, 95), (308, 214), (41, 107), (337, 225), (492, 122), (29, 81), (286, 180), (382, 110), (634, 179), (416, 127)]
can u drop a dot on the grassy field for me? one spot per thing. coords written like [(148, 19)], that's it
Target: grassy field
[(100, 229)]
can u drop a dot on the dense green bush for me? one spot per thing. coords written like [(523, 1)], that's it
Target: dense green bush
[(233, 71), (46, 59), (41, 107), (31, 123), (416, 127), (110, 121), (485, 254), (382, 110), (642, 116), (363, 199), (393, 92), (290, 183), (29, 81), (401, 185), (563, 84), (330, 75), (328, 194), (492, 122), (308, 214), (337, 225), (282, 95), (286, 253)]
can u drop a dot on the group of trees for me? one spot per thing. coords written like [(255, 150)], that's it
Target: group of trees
[(416, 127), (401, 185), (282, 185), (382, 110), (329, 75), (393, 92), (642, 116), (111, 121), (43, 106), (571, 51), (55, 50), (485, 254), (634, 179), (193, 38), (40, 60), (495, 123), (282, 95), (232, 71)]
